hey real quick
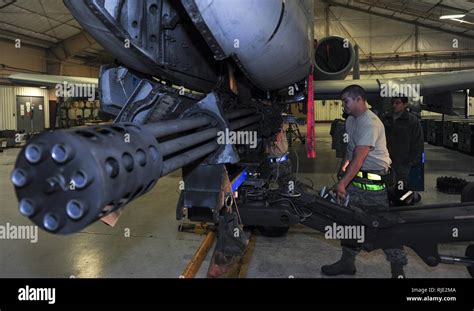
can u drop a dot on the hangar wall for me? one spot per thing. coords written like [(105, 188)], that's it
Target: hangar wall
[(33, 60), (29, 59), (8, 96), (7, 108)]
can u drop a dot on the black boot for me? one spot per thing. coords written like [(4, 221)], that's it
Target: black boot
[(397, 271), (345, 266)]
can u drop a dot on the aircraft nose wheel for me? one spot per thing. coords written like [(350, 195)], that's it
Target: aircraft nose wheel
[(470, 255)]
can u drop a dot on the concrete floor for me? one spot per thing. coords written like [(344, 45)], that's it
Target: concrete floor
[(156, 249)]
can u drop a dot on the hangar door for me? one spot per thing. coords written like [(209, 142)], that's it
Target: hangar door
[(30, 113)]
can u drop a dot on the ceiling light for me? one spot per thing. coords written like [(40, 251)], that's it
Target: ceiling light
[(452, 16), (43, 87), (462, 21)]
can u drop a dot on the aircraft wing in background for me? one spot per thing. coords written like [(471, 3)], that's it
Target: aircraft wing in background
[(440, 92), (49, 80)]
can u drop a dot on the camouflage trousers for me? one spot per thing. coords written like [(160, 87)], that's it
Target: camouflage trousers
[(371, 201)]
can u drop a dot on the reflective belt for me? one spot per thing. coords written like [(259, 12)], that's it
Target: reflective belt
[(369, 187), (369, 176)]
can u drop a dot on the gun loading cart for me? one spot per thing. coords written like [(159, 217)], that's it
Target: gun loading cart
[(421, 228)]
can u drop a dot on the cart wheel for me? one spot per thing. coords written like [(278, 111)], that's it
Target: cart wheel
[(273, 232), (468, 193), (470, 255)]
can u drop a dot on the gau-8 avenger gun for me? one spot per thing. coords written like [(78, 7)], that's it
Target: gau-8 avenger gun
[(186, 72)]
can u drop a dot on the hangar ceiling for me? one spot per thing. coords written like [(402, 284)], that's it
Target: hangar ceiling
[(425, 13), (48, 23)]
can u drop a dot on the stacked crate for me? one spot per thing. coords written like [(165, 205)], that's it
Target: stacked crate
[(466, 137), (451, 133), (424, 126), (435, 132), (443, 133), (8, 137)]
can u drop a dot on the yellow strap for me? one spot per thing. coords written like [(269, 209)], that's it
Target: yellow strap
[(370, 176), (374, 176)]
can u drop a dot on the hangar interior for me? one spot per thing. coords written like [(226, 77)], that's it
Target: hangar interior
[(394, 40)]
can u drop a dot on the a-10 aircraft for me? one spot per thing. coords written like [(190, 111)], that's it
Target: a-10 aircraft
[(191, 69)]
